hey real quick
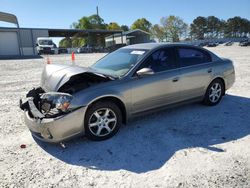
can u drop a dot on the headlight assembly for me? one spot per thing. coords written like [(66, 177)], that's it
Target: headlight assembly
[(60, 101)]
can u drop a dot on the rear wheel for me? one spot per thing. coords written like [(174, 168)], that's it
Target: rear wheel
[(214, 93), (102, 121)]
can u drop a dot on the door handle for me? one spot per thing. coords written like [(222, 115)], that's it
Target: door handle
[(176, 79), (209, 70)]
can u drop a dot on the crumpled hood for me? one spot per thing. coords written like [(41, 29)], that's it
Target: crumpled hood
[(54, 76)]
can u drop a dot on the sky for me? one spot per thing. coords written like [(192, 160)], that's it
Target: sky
[(62, 13)]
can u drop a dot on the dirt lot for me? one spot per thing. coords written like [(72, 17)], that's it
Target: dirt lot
[(189, 146)]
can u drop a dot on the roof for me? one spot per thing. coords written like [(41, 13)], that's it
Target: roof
[(6, 17), (80, 32), (150, 46), (130, 33), (71, 32), (135, 31)]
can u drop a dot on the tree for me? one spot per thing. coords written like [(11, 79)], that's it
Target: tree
[(65, 43), (198, 28), (142, 24), (88, 22), (174, 27), (157, 31), (96, 22), (237, 27), (124, 27), (113, 26), (213, 26)]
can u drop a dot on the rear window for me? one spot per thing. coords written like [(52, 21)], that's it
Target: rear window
[(190, 56)]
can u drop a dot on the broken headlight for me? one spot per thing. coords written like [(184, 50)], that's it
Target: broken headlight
[(55, 100)]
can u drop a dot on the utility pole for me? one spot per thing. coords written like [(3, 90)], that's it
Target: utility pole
[(97, 11)]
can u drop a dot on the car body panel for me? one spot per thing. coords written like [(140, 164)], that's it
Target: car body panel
[(54, 76), (143, 90), (56, 129), (194, 80), (137, 94)]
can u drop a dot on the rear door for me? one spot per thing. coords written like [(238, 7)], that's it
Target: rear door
[(195, 71), (162, 87)]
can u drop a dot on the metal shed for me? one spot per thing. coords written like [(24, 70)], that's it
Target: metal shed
[(16, 41), (129, 37)]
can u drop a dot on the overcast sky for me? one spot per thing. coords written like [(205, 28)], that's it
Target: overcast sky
[(61, 13)]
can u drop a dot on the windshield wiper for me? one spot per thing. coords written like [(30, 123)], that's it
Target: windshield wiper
[(94, 71)]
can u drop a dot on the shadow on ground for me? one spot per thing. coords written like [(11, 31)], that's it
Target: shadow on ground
[(149, 142)]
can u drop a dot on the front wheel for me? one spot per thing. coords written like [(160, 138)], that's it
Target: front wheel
[(214, 93), (102, 121)]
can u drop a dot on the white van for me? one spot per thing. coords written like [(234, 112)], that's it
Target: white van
[(45, 45)]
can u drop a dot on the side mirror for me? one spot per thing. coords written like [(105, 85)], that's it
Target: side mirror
[(144, 72), (36, 44)]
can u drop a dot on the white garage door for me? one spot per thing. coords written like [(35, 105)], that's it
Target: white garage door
[(8, 43)]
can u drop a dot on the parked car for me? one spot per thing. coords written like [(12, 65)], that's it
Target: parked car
[(96, 101), (212, 44), (62, 50), (244, 43), (230, 43), (85, 49), (202, 44)]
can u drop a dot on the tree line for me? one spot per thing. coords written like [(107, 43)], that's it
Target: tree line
[(171, 28)]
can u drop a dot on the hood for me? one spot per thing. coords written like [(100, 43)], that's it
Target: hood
[(54, 76)]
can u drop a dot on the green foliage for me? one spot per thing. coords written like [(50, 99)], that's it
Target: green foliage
[(90, 22), (171, 28), (237, 27), (157, 31), (65, 43), (212, 27), (142, 24), (199, 27), (113, 26), (174, 27), (124, 27)]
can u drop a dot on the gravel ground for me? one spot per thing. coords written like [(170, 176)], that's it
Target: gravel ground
[(189, 146)]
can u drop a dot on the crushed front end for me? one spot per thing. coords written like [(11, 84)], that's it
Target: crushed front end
[(49, 116)]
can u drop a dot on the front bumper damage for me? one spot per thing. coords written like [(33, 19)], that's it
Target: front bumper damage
[(55, 129)]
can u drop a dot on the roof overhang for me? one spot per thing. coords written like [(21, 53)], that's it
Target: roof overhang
[(10, 18), (80, 32)]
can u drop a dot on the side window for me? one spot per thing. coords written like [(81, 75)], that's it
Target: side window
[(190, 56), (160, 60)]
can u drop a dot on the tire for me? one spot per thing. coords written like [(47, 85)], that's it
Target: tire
[(214, 93), (102, 121)]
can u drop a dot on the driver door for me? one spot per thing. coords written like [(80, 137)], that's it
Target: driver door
[(160, 88)]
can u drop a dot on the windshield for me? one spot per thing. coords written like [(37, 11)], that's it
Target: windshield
[(119, 62), (45, 42)]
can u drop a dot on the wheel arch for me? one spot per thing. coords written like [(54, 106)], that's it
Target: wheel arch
[(116, 101), (222, 80)]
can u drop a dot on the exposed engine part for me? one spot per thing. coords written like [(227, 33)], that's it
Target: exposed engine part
[(82, 81)]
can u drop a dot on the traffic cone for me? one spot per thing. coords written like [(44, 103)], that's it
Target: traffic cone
[(48, 60), (73, 57)]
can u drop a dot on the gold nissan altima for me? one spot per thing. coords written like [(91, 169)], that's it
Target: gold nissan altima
[(95, 101)]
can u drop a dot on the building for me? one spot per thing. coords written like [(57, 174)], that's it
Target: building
[(129, 37), (16, 41)]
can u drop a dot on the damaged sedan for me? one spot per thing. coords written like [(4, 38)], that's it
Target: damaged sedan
[(97, 100)]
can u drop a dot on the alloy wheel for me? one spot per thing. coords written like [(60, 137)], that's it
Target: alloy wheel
[(102, 122), (215, 92)]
